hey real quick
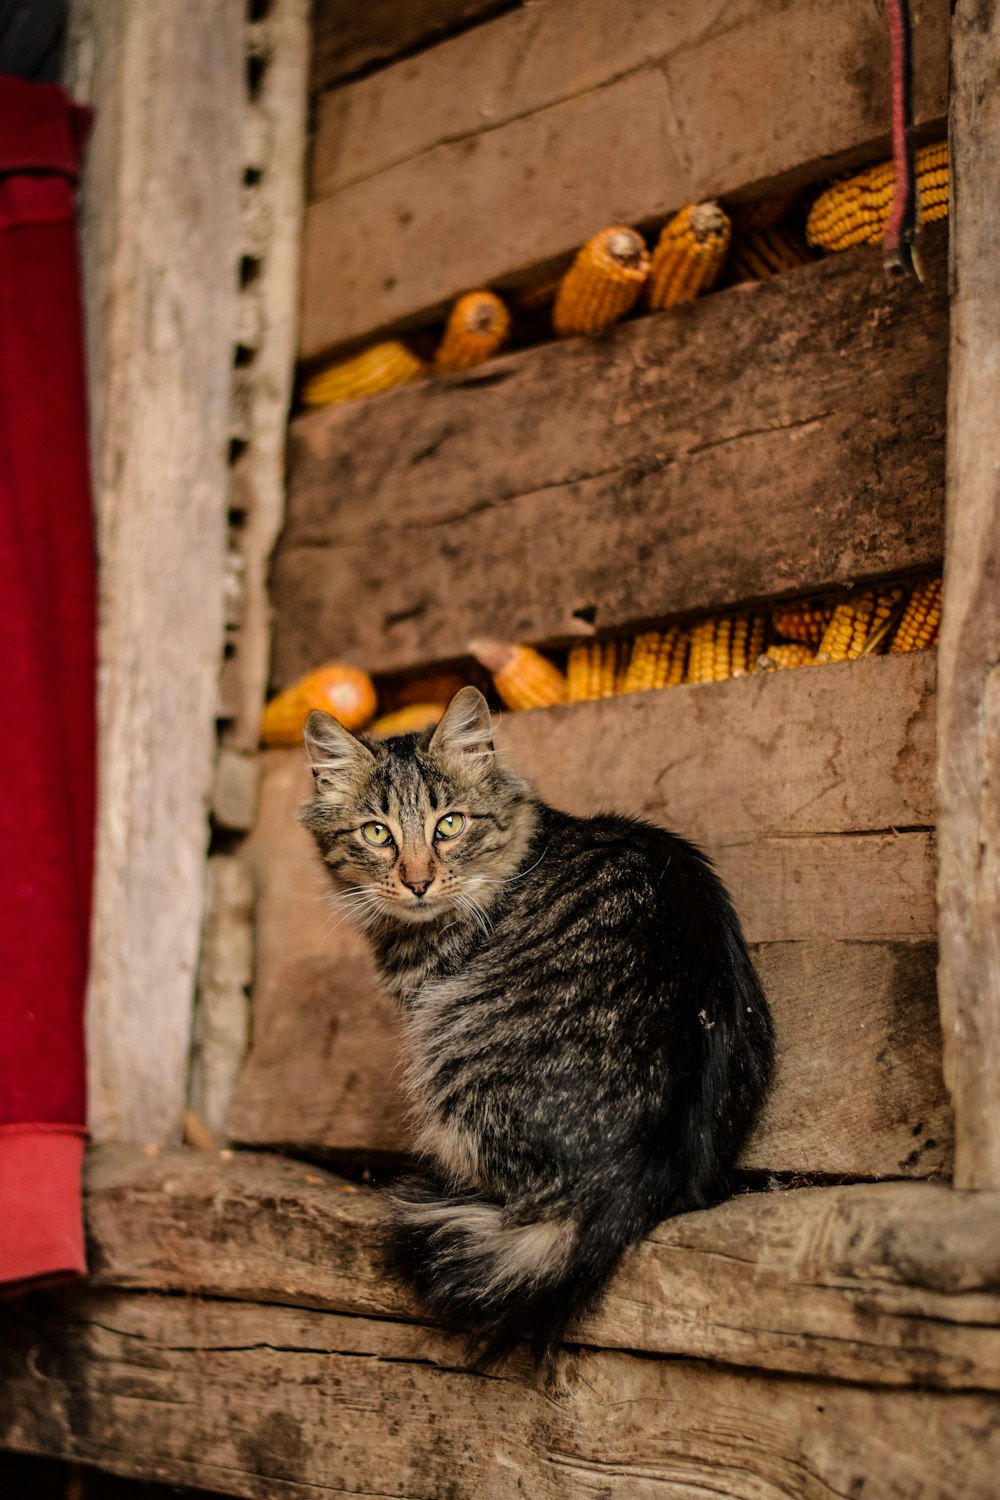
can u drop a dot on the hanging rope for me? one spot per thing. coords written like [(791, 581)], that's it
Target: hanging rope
[(901, 230)]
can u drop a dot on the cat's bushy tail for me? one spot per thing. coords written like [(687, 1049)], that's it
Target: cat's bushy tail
[(474, 1265)]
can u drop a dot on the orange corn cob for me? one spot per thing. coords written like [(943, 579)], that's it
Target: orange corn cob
[(414, 716), (784, 654), (802, 620), (345, 692), (380, 368), (688, 255), (759, 254), (522, 677), (603, 283), (593, 671), (856, 211), (920, 620), (478, 325)]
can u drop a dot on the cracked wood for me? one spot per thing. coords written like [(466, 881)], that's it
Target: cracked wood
[(578, 113), (267, 1402), (782, 784), (769, 439)]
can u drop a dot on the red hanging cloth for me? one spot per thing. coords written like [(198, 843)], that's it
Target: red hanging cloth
[(47, 689)]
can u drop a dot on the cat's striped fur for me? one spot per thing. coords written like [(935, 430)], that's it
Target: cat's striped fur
[(588, 1042)]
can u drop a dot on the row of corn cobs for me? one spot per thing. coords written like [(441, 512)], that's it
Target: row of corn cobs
[(797, 634), (615, 269), (803, 633)]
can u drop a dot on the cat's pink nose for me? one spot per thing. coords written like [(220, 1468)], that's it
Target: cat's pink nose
[(418, 887)]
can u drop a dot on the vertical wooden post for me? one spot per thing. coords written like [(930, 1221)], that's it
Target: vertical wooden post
[(969, 657), (161, 235)]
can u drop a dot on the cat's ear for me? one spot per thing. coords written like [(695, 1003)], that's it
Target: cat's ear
[(466, 728), (334, 753)]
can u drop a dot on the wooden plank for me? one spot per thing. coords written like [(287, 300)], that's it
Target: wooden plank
[(160, 249), (348, 38), (716, 63), (322, 1070), (888, 1283), (732, 449), (425, 190), (969, 742), (277, 1402)]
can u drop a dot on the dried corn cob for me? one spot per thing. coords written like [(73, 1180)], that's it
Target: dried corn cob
[(478, 325), (785, 654), (802, 620), (414, 716), (671, 663), (641, 672), (888, 609), (920, 620), (747, 643), (522, 676), (603, 283), (856, 211), (755, 643), (380, 368), (838, 635), (759, 254), (345, 692), (593, 670), (688, 255)]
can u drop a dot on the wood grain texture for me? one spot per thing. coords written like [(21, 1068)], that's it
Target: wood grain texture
[(969, 738), (735, 448), (276, 1402), (887, 1283), (324, 1066), (160, 249), (347, 37), (507, 147)]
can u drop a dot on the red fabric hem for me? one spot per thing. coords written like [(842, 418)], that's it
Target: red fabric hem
[(41, 1193)]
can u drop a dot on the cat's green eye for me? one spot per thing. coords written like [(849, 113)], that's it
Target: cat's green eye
[(450, 826), (376, 833)]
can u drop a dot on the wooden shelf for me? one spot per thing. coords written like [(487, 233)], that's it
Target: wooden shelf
[(851, 1331)]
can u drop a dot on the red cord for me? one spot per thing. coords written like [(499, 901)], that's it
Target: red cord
[(901, 229)]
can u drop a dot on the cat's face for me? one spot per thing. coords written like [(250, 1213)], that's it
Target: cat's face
[(421, 826)]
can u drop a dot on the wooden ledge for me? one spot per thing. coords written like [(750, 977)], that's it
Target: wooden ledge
[(892, 1283)]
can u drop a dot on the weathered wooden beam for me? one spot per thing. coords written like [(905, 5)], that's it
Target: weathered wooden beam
[(160, 248), (575, 115), (764, 774), (771, 438), (273, 1403), (348, 38), (887, 1283), (969, 735)]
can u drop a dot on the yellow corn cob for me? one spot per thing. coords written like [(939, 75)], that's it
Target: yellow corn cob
[(406, 720), (688, 255), (671, 661), (621, 665), (603, 283), (888, 609), (578, 674), (522, 676), (702, 661), (921, 619), (594, 671), (845, 636), (856, 211), (747, 643), (641, 671), (479, 325), (759, 254), (784, 654), (755, 643), (802, 620), (345, 692), (377, 369)]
